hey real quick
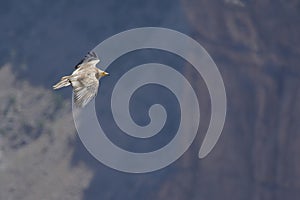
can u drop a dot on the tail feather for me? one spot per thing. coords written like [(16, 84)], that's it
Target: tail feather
[(62, 83)]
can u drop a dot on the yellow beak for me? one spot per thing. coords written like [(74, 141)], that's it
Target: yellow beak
[(105, 74)]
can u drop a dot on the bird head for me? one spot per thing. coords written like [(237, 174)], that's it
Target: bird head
[(101, 73)]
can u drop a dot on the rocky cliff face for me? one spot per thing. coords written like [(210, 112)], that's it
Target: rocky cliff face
[(256, 46), (36, 146)]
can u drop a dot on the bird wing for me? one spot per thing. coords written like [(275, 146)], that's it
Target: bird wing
[(89, 57), (85, 88)]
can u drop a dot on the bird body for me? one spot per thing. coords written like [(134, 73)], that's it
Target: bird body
[(84, 80)]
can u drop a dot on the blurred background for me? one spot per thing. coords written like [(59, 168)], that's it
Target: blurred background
[(256, 46)]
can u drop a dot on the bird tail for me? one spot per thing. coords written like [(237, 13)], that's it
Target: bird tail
[(62, 83)]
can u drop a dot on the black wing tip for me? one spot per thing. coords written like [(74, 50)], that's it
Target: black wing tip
[(92, 54), (87, 58)]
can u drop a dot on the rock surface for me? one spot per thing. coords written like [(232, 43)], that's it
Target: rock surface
[(256, 47)]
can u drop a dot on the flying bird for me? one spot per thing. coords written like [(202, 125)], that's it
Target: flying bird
[(84, 80)]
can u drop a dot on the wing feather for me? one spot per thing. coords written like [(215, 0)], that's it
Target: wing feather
[(91, 56), (85, 89)]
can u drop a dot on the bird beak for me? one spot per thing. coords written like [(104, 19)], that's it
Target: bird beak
[(105, 74)]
